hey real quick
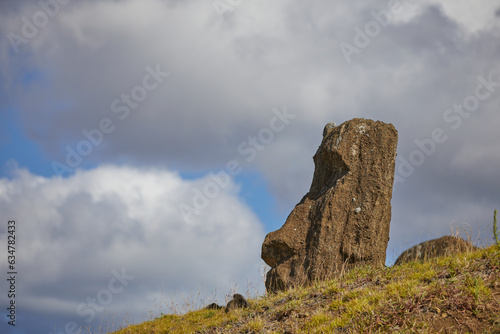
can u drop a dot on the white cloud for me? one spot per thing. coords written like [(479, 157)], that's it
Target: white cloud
[(474, 16), (73, 232)]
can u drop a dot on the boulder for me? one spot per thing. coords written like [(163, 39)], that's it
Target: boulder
[(444, 246), (344, 218), (238, 301)]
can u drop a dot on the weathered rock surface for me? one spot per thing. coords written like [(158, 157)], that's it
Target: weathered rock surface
[(444, 246), (344, 218)]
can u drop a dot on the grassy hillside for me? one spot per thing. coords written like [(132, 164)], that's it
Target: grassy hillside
[(459, 294)]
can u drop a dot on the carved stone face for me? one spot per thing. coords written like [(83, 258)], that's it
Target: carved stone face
[(328, 232)]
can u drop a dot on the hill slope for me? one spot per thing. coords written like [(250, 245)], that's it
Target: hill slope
[(458, 294)]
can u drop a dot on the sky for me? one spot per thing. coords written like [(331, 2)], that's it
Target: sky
[(148, 146)]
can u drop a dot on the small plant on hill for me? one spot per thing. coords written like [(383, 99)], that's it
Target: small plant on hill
[(495, 229)]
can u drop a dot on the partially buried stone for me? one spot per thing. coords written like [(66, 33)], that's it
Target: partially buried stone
[(238, 301), (444, 246), (344, 218), (214, 306)]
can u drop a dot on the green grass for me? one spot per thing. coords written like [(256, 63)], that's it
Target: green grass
[(453, 294)]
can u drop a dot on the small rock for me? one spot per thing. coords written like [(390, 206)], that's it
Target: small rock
[(238, 301), (214, 306)]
